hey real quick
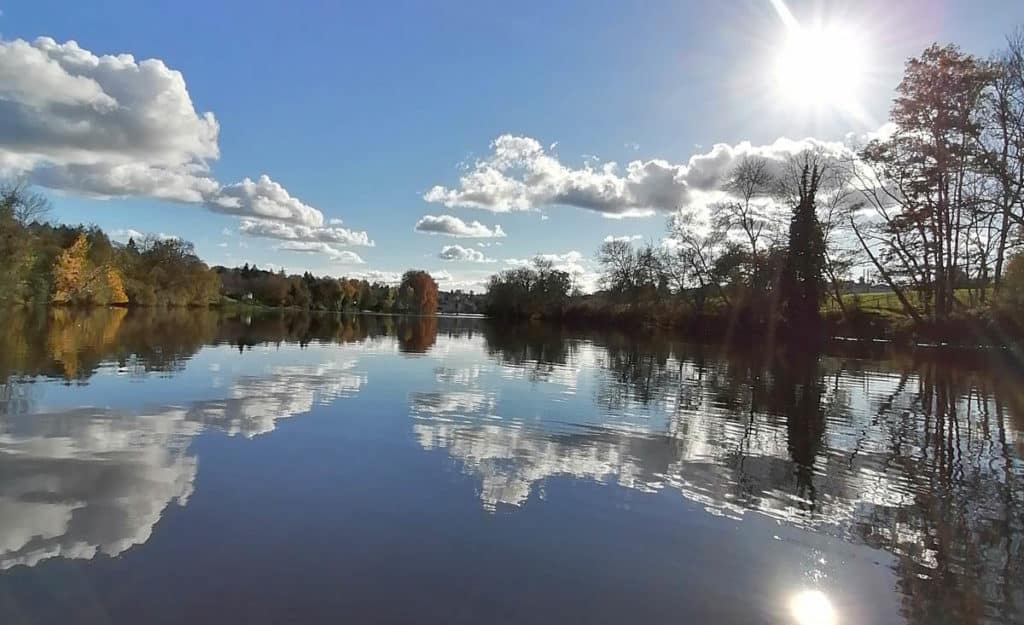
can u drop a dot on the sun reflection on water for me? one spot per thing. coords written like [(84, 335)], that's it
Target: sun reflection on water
[(812, 607)]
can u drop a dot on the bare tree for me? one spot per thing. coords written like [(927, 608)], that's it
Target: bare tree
[(24, 204), (692, 259), (750, 181), (836, 203), (1002, 145), (618, 264)]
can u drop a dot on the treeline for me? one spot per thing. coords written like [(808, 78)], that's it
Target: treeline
[(77, 265), (935, 208), (81, 266), (416, 294)]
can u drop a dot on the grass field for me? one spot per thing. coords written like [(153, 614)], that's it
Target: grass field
[(886, 302)]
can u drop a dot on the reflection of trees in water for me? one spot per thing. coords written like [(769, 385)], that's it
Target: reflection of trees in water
[(955, 443), (72, 344), (416, 334), (920, 456), (538, 349)]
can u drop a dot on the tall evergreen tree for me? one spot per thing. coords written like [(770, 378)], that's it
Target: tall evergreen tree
[(803, 276)]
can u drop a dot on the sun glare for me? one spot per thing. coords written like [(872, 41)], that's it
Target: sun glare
[(821, 67), (812, 607)]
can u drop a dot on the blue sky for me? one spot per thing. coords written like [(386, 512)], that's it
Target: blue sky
[(359, 110)]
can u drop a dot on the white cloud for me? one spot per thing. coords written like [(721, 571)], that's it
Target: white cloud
[(455, 227), (520, 175), (629, 238), (344, 257), (112, 126), (123, 234), (292, 232), (374, 275), (467, 254), (266, 199)]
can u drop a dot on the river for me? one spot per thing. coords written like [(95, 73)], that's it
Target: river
[(203, 467)]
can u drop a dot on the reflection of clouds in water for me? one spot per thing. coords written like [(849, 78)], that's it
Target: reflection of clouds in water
[(451, 404), (509, 458), (76, 483), (88, 481), (731, 459), (464, 376), (256, 402)]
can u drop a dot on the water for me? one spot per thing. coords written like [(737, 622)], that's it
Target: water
[(189, 467)]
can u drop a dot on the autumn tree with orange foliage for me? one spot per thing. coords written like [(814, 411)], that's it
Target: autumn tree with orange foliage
[(417, 293), (69, 271), (76, 280)]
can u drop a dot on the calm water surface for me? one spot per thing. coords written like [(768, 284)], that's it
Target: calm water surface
[(187, 467)]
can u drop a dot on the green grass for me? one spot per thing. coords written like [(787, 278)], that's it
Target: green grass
[(888, 304)]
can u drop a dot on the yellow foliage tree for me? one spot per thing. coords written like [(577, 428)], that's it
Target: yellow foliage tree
[(69, 271), (115, 285)]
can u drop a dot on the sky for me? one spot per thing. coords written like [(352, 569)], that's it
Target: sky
[(364, 139)]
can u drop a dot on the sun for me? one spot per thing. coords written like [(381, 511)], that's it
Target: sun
[(821, 67)]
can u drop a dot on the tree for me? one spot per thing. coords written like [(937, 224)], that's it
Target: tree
[(418, 293), (540, 290), (801, 288), (749, 181), (618, 266), (692, 256), (24, 205), (924, 182), (69, 272), (631, 271), (1002, 146)]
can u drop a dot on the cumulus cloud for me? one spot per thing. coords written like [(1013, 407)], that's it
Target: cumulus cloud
[(466, 254), (455, 227), (521, 175), (113, 126), (333, 233), (267, 199), (345, 257)]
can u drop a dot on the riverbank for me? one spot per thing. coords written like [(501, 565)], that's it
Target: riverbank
[(972, 328)]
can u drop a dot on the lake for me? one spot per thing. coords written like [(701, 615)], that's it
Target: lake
[(200, 467)]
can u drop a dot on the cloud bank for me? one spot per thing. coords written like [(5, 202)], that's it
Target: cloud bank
[(112, 126), (521, 175)]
